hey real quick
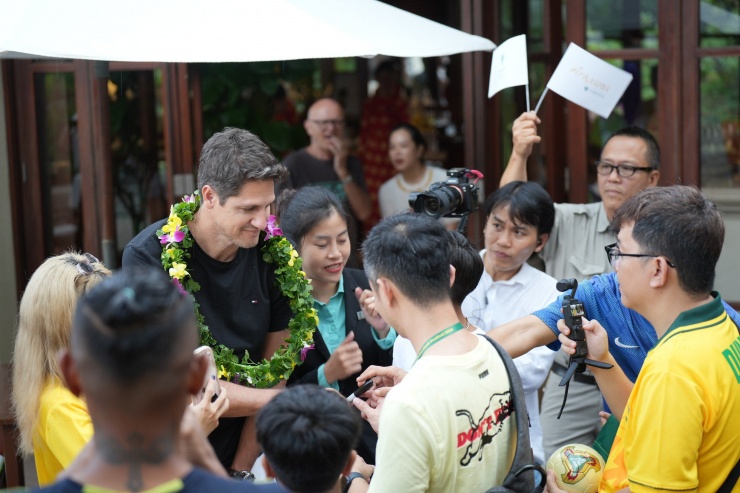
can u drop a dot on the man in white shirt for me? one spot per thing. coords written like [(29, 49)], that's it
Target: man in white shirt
[(519, 218)]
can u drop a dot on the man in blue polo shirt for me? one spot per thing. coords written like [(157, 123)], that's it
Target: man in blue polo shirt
[(631, 336)]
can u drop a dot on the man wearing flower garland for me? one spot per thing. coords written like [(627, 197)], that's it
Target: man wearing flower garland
[(238, 298)]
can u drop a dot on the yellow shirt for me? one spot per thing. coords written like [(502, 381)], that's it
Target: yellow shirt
[(681, 426), (63, 429)]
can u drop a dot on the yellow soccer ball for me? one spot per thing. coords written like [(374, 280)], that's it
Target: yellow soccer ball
[(577, 468)]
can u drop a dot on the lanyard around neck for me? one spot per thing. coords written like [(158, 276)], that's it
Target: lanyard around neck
[(438, 337)]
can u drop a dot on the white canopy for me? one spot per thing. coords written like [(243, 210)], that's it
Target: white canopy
[(222, 30)]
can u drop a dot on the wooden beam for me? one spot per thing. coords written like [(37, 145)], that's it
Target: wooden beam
[(576, 128), (669, 102)]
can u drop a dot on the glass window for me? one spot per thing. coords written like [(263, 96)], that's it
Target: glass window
[(137, 150), (719, 131), (614, 25), (56, 120), (535, 32), (720, 23)]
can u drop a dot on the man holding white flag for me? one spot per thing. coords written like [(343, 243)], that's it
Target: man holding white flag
[(628, 164)]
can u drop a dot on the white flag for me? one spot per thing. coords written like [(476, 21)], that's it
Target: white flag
[(589, 81), (509, 65)]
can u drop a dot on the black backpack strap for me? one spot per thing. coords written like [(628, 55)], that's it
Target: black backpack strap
[(520, 478), (731, 480)]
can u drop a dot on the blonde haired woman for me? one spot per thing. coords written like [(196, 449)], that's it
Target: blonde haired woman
[(54, 424)]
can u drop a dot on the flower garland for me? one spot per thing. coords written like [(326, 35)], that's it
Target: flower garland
[(176, 243)]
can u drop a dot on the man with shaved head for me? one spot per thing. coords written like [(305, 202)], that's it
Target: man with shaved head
[(325, 162)]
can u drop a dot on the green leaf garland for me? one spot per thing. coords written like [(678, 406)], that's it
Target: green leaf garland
[(177, 242)]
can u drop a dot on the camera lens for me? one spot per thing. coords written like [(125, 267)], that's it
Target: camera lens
[(439, 202), (430, 205)]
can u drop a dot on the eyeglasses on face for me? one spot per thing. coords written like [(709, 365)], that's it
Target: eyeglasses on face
[(613, 254), (323, 124), (623, 170), (85, 267)]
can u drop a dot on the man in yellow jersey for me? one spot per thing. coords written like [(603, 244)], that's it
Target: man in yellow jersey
[(679, 424)]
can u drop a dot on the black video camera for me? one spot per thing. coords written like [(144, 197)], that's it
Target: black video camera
[(456, 197)]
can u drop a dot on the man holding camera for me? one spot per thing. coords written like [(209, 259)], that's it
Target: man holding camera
[(628, 164), (679, 423)]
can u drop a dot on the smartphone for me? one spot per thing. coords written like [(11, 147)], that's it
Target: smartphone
[(361, 390), (211, 372)]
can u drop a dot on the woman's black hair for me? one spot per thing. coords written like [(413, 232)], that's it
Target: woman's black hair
[(416, 135), (298, 211)]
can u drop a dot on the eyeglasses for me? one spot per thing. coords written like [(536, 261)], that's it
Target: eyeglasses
[(613, 254), (623, 170), (323, 124), (85, 267)]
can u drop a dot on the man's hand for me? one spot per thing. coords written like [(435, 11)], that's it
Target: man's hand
[(596, 339), (370, 409), (382, 376), (194, 446), (366, 299), (359, 465), (346, 360), (552, 486), (339, 149), (206, 412), (524, 134)]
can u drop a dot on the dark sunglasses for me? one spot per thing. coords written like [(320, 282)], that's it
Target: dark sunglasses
[(85, 267)]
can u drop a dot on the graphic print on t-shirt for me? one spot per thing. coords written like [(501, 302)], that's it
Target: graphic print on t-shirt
[(478, 433)]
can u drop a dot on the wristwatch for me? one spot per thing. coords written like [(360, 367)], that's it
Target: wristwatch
[(241, 475), (351, 478)]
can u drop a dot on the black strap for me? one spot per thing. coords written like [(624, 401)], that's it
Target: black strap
[(520, 478), (731, 479)]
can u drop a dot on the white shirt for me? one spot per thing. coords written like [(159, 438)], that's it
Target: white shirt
[(493, 303), (393, 195)]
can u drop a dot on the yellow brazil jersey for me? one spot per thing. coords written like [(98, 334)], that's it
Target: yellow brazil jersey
[(680, 429)]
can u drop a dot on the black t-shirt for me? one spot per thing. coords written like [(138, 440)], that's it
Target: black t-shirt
[(197, 481), (304, 169), (240, 304)]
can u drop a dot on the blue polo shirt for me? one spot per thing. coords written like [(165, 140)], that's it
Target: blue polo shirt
[(631, 336)]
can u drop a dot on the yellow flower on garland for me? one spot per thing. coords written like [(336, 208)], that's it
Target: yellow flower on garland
[(173, 224), (177, 271), (223, 373)]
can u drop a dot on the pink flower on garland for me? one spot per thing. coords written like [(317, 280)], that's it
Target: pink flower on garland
[(175, 237), (179, 287), (171, 230), (272, 228), (305, 350)]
